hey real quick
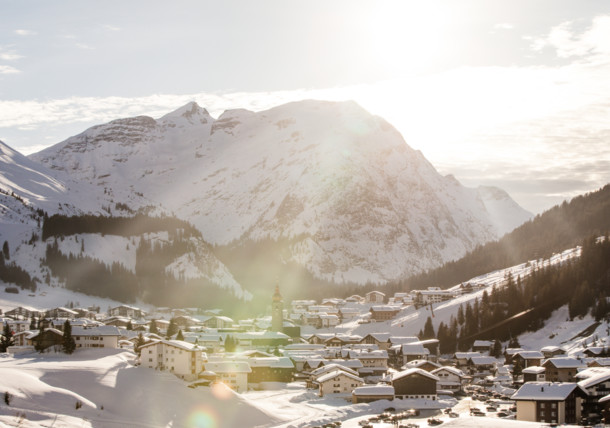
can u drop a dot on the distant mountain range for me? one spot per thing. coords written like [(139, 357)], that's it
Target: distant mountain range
[(322, 189)]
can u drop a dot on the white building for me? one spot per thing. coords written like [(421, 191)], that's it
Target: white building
[(183, 359), (338, 382), (234, 374), (449, 378), (374, 297), (104, 336)]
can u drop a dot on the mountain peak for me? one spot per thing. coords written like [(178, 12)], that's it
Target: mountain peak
[(190, 111)]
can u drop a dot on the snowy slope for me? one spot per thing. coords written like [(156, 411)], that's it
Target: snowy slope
[(113, 393), (355, 201)]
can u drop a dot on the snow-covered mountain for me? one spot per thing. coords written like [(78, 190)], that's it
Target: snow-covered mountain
[(347, 197)]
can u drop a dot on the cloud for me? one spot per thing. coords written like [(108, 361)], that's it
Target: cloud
[(109, 27), (7, 54), (7, 69), (22, 32), (593, 43), (504, 26)]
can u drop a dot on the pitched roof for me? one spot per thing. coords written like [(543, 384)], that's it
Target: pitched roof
[(545, 391), (595, 379), (333, 374), (410, 372), (374, 390), (564, 363), (101, 330), (228, 367)]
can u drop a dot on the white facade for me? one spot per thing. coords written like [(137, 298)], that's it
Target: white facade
[(374, 297), (338, 382), (105, 336), (183, 359), (233, 374)]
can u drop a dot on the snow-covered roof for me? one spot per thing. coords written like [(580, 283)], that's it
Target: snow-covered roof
[(551, 348), (534, 370), (410, 372), (595, 379), (564, 362), (483, 343), (332, 367), (399, 340), (187, 346), (228, 367), (530, 355), (418, 363), (479, 361), (450, 369), (273, 362), (336, 373), (545, 391), (414, 349), (466, 355), (384, 390)]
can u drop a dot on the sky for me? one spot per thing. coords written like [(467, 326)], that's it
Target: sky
[(509, 93)]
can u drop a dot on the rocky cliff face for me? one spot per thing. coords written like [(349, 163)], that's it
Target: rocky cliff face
[(347, 198)]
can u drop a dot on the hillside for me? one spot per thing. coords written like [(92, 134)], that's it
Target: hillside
[(563, 226)]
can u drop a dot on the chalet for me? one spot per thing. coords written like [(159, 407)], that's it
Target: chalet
[(426, 365), (355, 299), (554, 403), (216, 321), (311, 319), (270, 369), (381, 340), (338, 382), (61, 312), (231, 373), (126, 311), (481, 366), (449, 378), (328, 320), (339, 341), (212, 342), (324, 369), (24, 312), (105, 336), (595, 351), (431, 295), (384, 313), (121, 322), (402, 354), (16, 326), (348, 314), (49, 337), (552, 351), (185, 321), (509, 353), (597, 386), (374, 297), (599, 362), (528, 358), (461, 358), (415, 383), (370, 393), (562, 369), (483, 346), (183, 359), (534, 374)]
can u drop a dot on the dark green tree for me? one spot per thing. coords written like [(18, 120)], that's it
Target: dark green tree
[(496, 351), (68, 343), (230, 344), (129, 325), (5, 251), (180, 336), (7, 338), (428, 329), (140, 341), (153, 327), (172, 329)]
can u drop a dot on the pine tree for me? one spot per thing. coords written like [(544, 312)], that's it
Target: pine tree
[(140, 341), (7, 338), (180, 336), (172, 329), (428, 329), (129, 325), (33, 323), (153, 327), (230, 344), (5, 251), (497, 349), (68, 343)]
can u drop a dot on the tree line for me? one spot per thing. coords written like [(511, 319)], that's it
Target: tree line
[(583, 284), (561, 227), (61, 225)]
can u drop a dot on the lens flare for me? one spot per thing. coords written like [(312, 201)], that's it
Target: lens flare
[(202, 417), (221, 391)]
